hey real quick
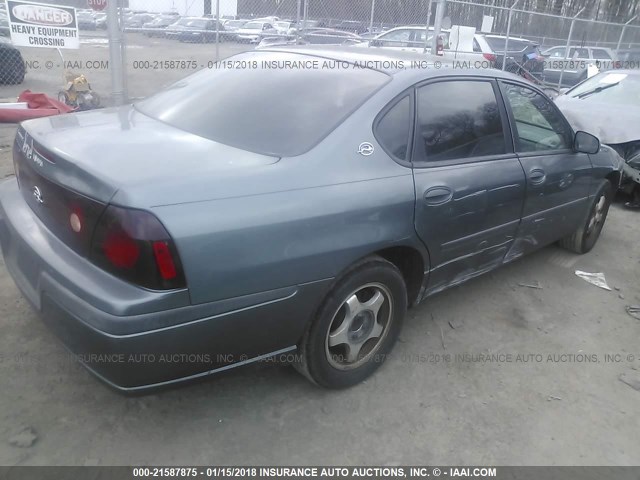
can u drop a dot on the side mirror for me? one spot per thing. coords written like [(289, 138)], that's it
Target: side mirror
[(586, 143), (375, 43)]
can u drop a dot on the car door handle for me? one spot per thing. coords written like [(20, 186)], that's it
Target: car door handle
[(537, 176), (438, 195)]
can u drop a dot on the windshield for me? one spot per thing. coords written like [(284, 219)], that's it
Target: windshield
[(614, 88), (253, 26), (265, 110), (234, 23)]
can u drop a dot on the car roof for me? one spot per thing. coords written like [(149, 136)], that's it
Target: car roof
[(412, 27), (503, 37), (590, 47), (387, 61), (423, 28)]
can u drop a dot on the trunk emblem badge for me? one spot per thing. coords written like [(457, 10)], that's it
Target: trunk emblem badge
[(38, 194)]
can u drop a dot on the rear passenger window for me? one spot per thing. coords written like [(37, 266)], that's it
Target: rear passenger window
[(557, 52), (457, 119), (599, 54), (393, 129), (539, 126), (579, 53), (397, 38)]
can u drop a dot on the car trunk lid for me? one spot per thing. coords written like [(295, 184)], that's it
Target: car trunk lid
[(76, 164), (70, 215)]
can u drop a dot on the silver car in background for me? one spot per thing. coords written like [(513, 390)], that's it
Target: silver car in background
[(576, 63), (254, 31)]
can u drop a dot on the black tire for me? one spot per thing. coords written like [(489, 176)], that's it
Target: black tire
[(586, 236), (372, 328)]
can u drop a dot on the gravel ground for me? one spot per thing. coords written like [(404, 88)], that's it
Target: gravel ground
[(552, 396)]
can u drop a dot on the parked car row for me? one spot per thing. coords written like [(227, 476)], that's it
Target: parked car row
[(572, 67), (483, 50), (554, 65), (232, 28)]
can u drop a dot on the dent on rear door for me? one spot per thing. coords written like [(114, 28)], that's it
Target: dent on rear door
[(469, 187)]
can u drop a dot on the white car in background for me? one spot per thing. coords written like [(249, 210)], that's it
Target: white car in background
[(415, 39), (284, 27), (267, 19), (254, 31), (234, 25)]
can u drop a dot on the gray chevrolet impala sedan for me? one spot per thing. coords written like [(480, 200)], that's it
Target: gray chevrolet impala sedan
[(293, 201)]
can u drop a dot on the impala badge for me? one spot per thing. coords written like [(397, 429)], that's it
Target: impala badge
[(38, 194), (365, 149)]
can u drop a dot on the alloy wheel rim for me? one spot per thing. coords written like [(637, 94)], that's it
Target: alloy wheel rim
[(359, 326)]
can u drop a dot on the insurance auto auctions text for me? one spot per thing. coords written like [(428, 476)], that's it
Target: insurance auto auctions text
[(319, 64)]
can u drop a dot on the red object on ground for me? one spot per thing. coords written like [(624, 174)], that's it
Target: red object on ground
[(40, 105)]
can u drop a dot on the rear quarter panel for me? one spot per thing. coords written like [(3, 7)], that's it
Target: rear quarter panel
[(300, 220)]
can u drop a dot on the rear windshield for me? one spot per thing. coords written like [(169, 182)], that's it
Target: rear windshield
[(283, 110)]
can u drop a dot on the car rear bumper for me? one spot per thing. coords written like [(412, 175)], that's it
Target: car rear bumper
[(135, 339)]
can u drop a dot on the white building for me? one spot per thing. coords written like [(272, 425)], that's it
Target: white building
[(190, 8)]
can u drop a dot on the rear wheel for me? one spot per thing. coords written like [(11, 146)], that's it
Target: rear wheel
[(586, 236), (356, 326)]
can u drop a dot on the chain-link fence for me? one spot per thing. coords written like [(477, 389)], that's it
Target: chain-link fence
[(12, 68), (166, 40)]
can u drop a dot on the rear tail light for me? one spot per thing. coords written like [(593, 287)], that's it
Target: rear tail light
[(440, 45), (164, 260), (489, 56), (134, 246)]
